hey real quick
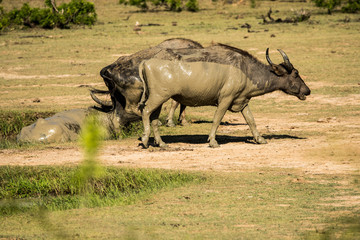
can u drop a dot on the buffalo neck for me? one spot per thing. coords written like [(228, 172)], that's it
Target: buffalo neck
[(261, 77)]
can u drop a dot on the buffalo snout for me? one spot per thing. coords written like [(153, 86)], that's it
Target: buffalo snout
[(306, 90)]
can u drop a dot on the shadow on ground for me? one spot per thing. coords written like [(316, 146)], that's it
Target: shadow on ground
[(222, 123), (222, 139)]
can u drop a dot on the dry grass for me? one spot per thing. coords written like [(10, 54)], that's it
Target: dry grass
[(324, 52)]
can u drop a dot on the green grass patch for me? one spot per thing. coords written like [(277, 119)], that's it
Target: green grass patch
[(131, 130), (56, 188), (261, 204)]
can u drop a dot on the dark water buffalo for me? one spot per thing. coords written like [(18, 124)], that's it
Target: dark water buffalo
[(226, 77), (124, 84)]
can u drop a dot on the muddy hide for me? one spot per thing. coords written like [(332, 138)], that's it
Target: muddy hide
[(123, 81)]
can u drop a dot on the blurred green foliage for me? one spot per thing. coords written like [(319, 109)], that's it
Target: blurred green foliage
[(92, 134)]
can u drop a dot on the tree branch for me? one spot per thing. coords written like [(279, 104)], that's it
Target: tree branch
[(54, 8)]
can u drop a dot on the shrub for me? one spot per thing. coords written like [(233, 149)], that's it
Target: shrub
[(192, 6), (352, 6), (349, 6), (79, 12), (175, 5), (329, 4), (4, 21), (139, 3), (172, 5)]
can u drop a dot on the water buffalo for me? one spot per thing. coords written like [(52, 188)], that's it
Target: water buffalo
[(213, 81), (65, 126), (124, 84)]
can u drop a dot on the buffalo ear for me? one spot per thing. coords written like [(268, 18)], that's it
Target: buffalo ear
[(278, 70)]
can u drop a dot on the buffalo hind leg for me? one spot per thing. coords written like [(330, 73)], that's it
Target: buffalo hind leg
[(251, 122), (182, 119), (170, 117), (147, 130), (151, 105), (155, 126), (219, 114)]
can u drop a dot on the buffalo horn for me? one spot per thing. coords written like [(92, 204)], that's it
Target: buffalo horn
[(97, 100), (286, 59), (268, 58)]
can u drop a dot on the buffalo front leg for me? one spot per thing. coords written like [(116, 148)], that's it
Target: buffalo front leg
[(251, 122), (219, 114)]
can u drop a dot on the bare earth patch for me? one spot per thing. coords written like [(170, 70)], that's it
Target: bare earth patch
[(10, 76), (238, 156), (287, 147), (313, 154)]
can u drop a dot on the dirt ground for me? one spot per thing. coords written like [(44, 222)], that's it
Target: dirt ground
[(314, 154)]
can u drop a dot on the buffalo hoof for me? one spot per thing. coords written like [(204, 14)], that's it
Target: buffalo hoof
[(184, 123), (143, 146), (170, 124), (163, 145), (145, 142), (214, 144), (160, 143), (261, 140)]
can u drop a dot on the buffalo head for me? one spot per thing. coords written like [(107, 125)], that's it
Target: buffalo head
[(293, 84)]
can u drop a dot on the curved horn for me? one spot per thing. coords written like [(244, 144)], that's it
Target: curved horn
[(286, 59), (268, 58), (97, 100), (98, 91)]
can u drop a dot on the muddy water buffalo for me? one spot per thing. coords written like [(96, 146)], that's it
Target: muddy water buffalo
[(65, 126), (124, 84), (227, 86)]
